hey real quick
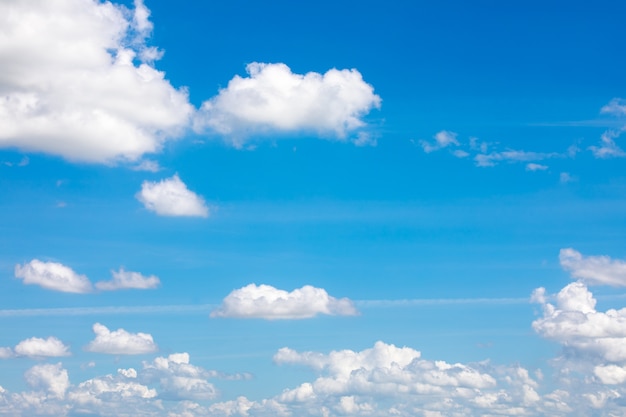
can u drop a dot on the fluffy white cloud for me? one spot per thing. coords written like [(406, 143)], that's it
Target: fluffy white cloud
[(86, 91), (51, 378), (575, 323), (267, 302), (170, 197), (120, 342), (443, 139), (53, 276), (179, 379), (126, 279), (36, 347), (594, 270), (273, 99)]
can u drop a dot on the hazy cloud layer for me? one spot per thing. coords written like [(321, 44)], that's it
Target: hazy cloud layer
[(171, 197), (88, 91), (120, 342), (274, 99), (267, 302), (52, 276)]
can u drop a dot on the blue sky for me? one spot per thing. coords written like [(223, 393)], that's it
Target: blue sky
[(283, 209)]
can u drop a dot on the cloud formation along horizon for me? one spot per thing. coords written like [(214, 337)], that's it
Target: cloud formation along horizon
[(267, 302)]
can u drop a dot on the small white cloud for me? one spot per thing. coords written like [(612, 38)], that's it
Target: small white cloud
[(171, 197), (273, 99), (566, 177), (594, 270), (460, 153), (53, 276), (120, 342), (610, 374), (365, 139), (267, 302), (50, 378), (608, 148), (36, 347), (443, 139), (147, 165), (128, 280), (491, 159), (6, 353), (535, 167), (179, 379)]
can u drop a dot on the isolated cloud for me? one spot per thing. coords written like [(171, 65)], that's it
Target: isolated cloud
[(171, 197), (594, 270), (267, 302), (512, 155), (53, 276), (128, 280), (273, 99), (36, 347), (535, 167), (52, 379), (88, 91), (120, 342), (443, 139)]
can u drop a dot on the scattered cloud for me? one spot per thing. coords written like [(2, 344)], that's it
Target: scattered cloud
[(565, 177), (171, 197), (535, 167), (36, 347), (86, 92), (52, 276), (608, 147), (147, 165), (443, 139), (365, 139), (120, 342), (274, 99), (594, 270), (267, 302), (126, 280), (491, 159), (52, 379)]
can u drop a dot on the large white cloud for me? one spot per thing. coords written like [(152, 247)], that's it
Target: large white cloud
[(594, 270), (36, 347), (120, 342), (267, 302), (274, 99), (53, 379), (53, 276), (78, 81), (128, 280), (171, 197)]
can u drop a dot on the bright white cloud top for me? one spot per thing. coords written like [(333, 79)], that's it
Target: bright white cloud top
[(266, 302), (274, 99), (171, 197), (123, 279), (53, 276), (36, 347), (594, 270), (76, 90), (120, 342)]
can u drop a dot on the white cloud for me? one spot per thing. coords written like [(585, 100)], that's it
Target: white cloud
[(608, 148), (443, 139), (594, 270), (273, 99), (6, 353), (120, 342), (565, 177), (53, 276), (77, 90), (179, 379), (115, 391), (50, 378), (512, 155), (576, 324), (267, 302), (126, 279), (36, 347), (170, 197), (535, 167)]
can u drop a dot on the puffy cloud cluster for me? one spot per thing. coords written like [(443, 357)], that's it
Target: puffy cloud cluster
[(120, 342), (36, 348), (88, 91), (52, 379), (594, 270), (58, 277), (274, 99), (171, 197), (267, 302)]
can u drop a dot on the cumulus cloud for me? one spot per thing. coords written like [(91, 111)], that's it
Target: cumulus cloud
[(443, 139), (128, 280), (36, 347), (53, 276), (120, 342), (594, 270), (171, 197), (267, 302), (118, 392), (53, 379), (274, 99), (88, 91)]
